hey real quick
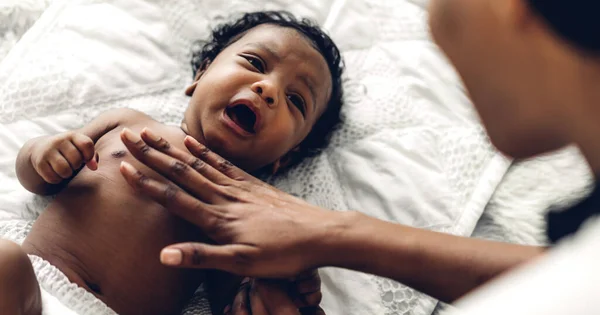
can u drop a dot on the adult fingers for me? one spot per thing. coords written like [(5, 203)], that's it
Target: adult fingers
[(218, 164), (176, 200), (217, 167), (257, 304), (274, 295), (307, 287), (308, 283), (193, 160), (240, 305), (174, 169), (312, 311), (236, 259), (310, 299)]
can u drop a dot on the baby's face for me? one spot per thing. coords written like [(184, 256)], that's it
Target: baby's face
[(260, 97)]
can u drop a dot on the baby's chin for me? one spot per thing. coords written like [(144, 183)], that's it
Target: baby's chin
[(228, 147), (237, 155), (193, 132)]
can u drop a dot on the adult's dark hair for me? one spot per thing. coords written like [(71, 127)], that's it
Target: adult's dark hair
[(226, 34), (577, 21)]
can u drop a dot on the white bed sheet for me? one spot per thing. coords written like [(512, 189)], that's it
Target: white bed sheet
[(411, 149), (16, 17)]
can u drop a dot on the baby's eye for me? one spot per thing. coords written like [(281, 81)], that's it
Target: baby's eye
[(298, 101), (257, 63)]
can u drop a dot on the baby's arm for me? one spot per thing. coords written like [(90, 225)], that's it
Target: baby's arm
[(46, 163)]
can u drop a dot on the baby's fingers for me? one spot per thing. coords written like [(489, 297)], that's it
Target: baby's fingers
[(85, 145), (71, 154), (47, 173), (93, 163), (61, 166)]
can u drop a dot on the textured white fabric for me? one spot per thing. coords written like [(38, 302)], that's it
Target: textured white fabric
[(411, 149), (71, 298), (59, 295), (51, 305), (16, 17), (564, 281), (516, 212)]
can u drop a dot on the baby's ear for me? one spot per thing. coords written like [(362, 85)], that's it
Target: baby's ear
[(286, 161), (190, 89)]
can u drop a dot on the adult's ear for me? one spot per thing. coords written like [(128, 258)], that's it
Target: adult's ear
[(190, 89)]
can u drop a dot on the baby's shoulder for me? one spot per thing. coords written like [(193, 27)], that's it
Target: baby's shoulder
[(128, 116), (136, 121)]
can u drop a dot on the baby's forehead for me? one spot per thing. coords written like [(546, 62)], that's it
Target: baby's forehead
[(288, 42)]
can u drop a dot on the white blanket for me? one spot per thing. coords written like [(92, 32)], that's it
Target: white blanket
[(16, 17), (411, 149)]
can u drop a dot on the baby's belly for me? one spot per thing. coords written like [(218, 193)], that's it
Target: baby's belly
[(107, 238)]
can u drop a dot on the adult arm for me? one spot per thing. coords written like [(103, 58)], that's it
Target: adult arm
[(441, 265), (264, 232)]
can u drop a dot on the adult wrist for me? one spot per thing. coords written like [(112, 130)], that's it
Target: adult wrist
[(337, 246)]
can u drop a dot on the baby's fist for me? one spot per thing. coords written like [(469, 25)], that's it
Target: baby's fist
[(58, 157)]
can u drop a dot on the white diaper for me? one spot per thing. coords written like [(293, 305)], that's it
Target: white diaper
[(61, 296)]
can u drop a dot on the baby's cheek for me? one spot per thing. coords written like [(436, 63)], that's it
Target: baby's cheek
[(278, 142)]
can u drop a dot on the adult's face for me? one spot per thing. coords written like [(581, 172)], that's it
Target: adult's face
[(512, 66)]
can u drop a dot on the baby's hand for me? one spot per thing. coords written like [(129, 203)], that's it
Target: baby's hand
[(58, 157)]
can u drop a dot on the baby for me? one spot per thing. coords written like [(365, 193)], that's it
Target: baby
[(266, 93)]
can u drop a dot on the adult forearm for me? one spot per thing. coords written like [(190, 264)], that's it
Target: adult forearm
[(441, 265)]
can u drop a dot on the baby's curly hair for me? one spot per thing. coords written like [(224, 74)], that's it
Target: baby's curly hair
[(226, 34)]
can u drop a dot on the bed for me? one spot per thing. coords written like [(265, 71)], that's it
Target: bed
[(411, 149)]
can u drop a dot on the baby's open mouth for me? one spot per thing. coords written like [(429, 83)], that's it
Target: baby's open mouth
[(243, 116)]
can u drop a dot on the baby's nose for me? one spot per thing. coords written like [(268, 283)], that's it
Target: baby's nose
[(267, 91)]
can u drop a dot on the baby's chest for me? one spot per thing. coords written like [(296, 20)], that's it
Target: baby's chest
[(112, 151)]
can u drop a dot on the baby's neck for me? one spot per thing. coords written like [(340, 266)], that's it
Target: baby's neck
[(198, 138)]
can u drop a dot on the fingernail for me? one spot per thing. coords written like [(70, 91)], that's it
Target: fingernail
[(170, 256), (92, 165), (253, 290), (151, 135), (128, 167), (227, 309), (130, 136), (191, 140)]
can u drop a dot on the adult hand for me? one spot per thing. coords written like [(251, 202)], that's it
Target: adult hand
[(263, 297), (263, 232)]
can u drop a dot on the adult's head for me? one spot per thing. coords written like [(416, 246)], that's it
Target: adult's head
[(532, 67)]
